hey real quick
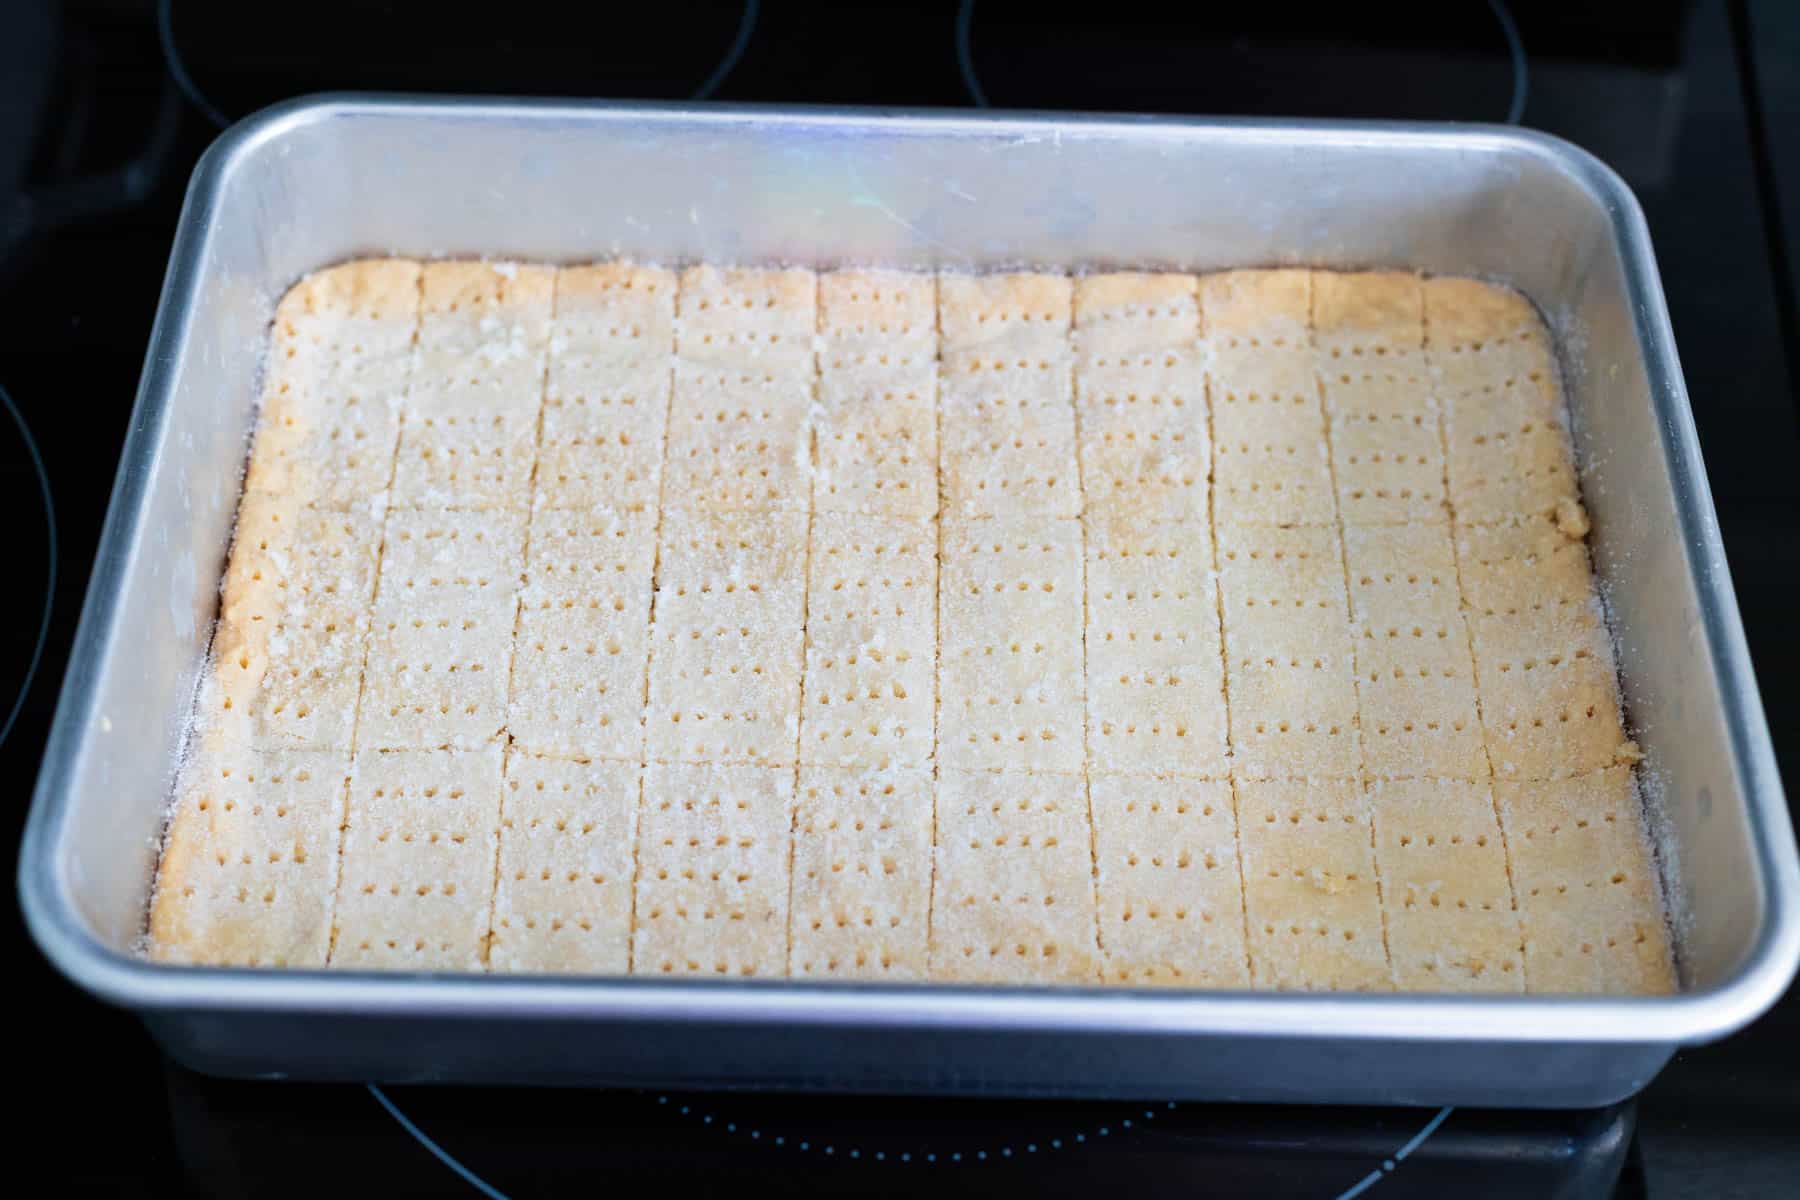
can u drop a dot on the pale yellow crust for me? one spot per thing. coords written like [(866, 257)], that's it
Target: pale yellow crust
[(1013, 900), (417, 884), (467, 290), (1170, 900), (1007, 434), (1377, 312), (1505, 425), (1401, 572), (1523, 470), (1387, 472), (475, 392), (862, 874), (607, 389), (454, 555), (726, 642), (1460, 312), (1415, 675), (1446, 896), (1133, 311), (712, 871), (877, 363), (369, 289), (329, 357), (1517, 375), (336, 454), (876, 443), (1142, 426), (1396, 390), (1155, 688), (340, 354), (287, 652), (1587, 886), (1271, 462), (739, 440), (1010, 645), (1259, 308), (1311, 896), (251, 858), (601, 443), (748, 319), (613, 313), (440, 645), (1266, 373), (622, 286), (1549, 691), (495, 384), (583, 642), (570, 611), (1005, 313), (465, 463), (871, 642), (1534, 558), (1137, 296), (568, 842), (873, 311), (437, 678), (285, 556), (1288, 661), (875, 425), (287, 685)]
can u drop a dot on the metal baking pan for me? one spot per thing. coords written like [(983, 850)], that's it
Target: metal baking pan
[(318, 180)]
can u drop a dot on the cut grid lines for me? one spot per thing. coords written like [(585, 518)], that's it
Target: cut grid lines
[(810, 455)]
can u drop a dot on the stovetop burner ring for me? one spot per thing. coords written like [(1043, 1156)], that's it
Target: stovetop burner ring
[(921, 1157), (1509, 28), (177, 66), (43, 633)]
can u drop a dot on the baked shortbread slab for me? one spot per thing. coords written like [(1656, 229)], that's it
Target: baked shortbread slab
[(1134, 628)]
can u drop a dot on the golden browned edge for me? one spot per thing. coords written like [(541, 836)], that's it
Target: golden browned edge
[(372, 289)]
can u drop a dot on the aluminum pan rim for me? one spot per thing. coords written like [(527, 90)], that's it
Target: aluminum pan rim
[(1683, 1018)]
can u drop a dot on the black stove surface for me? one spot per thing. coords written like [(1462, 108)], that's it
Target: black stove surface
[(1693, 103), (526, 1143)]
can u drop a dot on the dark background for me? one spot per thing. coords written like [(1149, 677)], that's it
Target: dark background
[(1695, 104)]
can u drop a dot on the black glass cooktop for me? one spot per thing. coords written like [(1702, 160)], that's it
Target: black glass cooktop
[(252, 1140), (104, 105)]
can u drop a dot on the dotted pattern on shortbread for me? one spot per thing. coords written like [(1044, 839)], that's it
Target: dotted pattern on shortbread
[(1140, 391), (1006, 417), (712, 870), (1140, 628), (1288, 660), (1313, 898), (1154, 674), (441, 641), (1586, 882), (1448, 902), (252, 858), (340, 353), (563, 888), (606, 397), (1013, 897), (1010, 686), (875, 426), (862, 873), (1171, 900), (1415, 673), (871, 626), (726, 638), (416, 884), (583, 641)]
